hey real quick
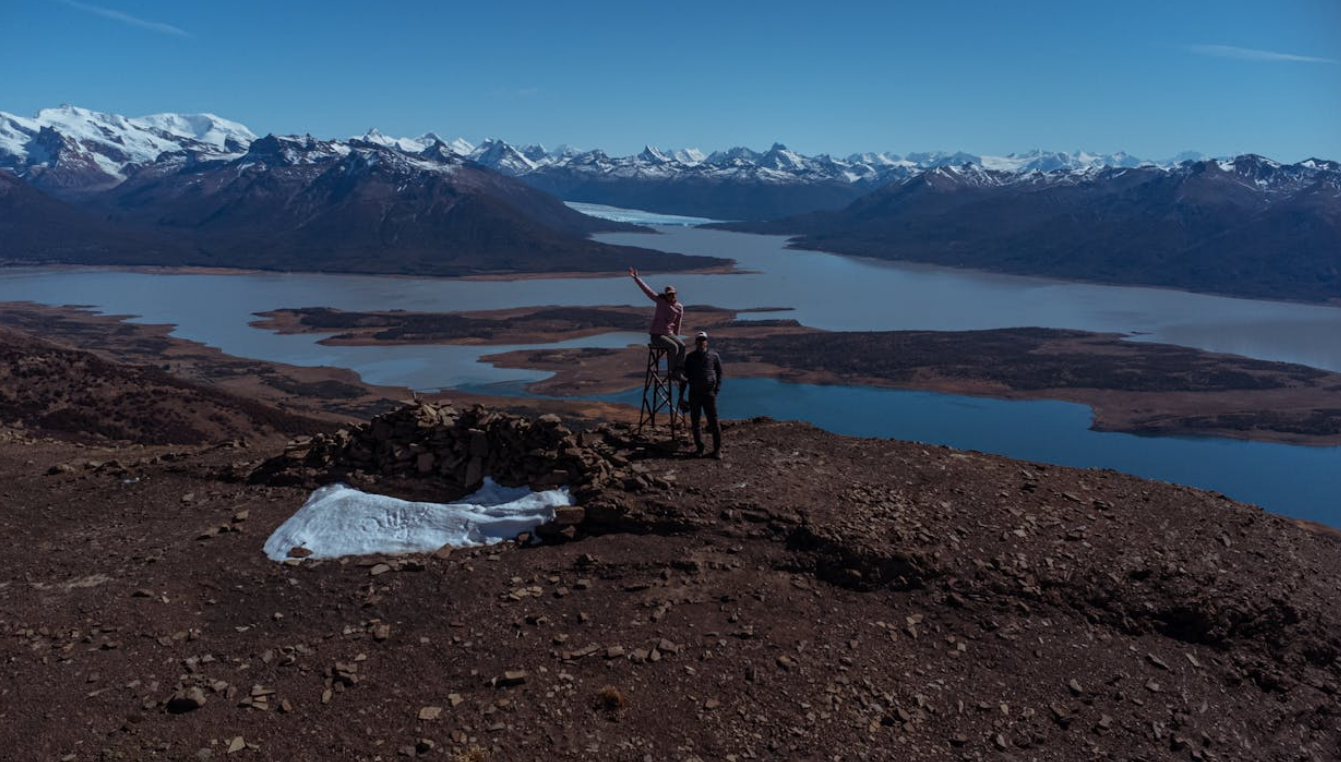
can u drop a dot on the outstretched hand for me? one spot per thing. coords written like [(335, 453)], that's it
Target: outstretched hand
[(633, 271)]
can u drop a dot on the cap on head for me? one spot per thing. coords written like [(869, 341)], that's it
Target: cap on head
[(701, 336), (669, 291)]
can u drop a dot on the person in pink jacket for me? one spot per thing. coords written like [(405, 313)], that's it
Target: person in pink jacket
[(665, 328)]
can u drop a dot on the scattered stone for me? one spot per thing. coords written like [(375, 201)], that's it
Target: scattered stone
[(379, 569), (568, 515), (511, 678), (430, 713), (187, 700), (236, 745)]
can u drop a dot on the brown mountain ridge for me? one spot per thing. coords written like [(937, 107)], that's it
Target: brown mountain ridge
[(1247, 228), (307, 205)]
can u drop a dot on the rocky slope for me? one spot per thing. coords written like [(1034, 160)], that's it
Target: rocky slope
[(36, 227), (811, 596), (50, 390), (311, 205)]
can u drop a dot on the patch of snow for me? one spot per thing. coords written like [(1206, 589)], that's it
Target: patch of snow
[(338, 520), (408, 145), (635, 216), (108, 166), (460, 146), (206, 128)]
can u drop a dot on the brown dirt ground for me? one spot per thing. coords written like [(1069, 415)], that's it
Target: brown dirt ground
[(809, 597)]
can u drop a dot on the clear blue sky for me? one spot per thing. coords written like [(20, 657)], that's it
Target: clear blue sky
[(986, 76)]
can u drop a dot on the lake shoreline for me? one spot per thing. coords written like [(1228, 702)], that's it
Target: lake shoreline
[(1131, 387)]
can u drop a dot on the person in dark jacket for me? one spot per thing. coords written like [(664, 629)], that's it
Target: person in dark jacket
[(703, 369)]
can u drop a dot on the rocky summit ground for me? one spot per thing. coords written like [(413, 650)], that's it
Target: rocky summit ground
[(808, 597)]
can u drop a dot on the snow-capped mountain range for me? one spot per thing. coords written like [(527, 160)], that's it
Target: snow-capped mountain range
[(81, 148), (168, 189)]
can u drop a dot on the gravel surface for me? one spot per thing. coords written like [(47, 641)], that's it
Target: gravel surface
[(808, 597)]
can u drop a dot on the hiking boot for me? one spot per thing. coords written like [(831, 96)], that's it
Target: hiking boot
[(698, 451), (716, 455)]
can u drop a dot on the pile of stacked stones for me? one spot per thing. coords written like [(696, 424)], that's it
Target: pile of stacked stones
[(459, 447), (456, 449)]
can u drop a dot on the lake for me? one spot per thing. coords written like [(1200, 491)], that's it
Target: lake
[(823, 291)]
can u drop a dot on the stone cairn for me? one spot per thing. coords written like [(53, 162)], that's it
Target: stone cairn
[(453, 450)]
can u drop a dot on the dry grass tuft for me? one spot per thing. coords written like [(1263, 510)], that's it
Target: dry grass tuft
[(611, 699), (473, 754)]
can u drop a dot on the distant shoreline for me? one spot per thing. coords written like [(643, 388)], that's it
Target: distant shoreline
[(515, 276)]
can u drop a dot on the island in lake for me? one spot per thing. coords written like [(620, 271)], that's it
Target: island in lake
[(1132, 386)]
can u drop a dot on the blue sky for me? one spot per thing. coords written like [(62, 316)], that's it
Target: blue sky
[(1151, 78)]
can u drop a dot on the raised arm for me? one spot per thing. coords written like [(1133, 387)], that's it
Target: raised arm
[(646, 289)]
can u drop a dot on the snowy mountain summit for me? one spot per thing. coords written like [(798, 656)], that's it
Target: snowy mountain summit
[(78, 149)]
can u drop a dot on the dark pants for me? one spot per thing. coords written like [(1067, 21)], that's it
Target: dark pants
[(674, 347), (705, 403)]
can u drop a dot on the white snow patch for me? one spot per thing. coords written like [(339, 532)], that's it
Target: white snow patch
[(338, 520), (635, 216)]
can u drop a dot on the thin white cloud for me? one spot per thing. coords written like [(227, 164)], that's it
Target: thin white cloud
[(126, 18), (1248, 54)]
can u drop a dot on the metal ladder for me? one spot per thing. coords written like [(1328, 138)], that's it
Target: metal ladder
[(658, 393)]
